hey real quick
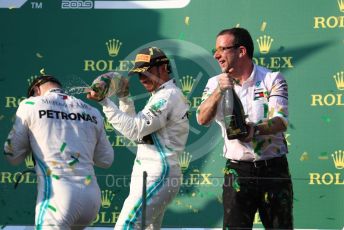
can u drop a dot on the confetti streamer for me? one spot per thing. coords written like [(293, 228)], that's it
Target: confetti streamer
[(235, 183), (263, 26), (237, 25), (30, 103), (326, 119), (187, 20), (63, 146), (266, 197), (39, 55), (52, 208), (287, 135), (88, 180), (75, 159), (304, 156), (138, 161), (55, 176), (323, 156), (42, 71)]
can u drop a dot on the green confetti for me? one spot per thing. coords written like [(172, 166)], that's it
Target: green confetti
[(63, 146), (73, 162), (282, 113), (88, 179), (326, 119), (30, 103), (235, 183), (52, 208), (55, 176), (258, 146), (266, 110), (138, 161), (323, 156)]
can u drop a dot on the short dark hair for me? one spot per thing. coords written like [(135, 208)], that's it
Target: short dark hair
[(40, 81), (241, 37)]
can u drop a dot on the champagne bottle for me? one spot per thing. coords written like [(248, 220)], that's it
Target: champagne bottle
[(234, 116), (108, 84)]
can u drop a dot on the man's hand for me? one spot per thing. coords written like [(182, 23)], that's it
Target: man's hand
[(92, 95), (225, 82)]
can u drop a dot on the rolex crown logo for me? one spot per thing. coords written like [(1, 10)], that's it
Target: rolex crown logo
[(341, 5), (264, 43), (338, 159), (31, 79), (187, 83), (339, 79), (29, 161), (113, 47), (106, 198), (184, 160)]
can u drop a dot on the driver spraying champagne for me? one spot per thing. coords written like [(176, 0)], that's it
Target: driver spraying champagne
[(160, 130)]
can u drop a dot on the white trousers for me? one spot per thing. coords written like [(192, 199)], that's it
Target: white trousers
[(163, 183), (66, 202)]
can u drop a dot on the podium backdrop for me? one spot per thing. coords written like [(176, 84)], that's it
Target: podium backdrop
[(76, 40)]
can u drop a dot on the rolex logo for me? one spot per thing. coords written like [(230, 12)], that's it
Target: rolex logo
[(29, 161), (184, 160), (106, 198), (341, 5), (108, 126), (187, 83), (338, 159), (31, 79), (339, 79), (113, 47), (264, 43)]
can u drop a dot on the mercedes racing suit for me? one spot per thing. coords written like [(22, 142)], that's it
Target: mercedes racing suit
[(162, 129), (66, 137)]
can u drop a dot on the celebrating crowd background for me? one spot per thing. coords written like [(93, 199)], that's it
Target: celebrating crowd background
[(79, 40)]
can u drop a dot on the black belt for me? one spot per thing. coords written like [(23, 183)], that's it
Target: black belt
[(261, 163)]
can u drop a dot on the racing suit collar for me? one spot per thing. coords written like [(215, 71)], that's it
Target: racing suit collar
[(54, 90), (165, 85)]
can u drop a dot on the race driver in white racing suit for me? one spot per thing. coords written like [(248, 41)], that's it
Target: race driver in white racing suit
[(161, 129), (67, 138)]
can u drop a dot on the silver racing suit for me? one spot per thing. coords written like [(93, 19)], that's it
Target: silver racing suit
[(67, 138), (162, 128)]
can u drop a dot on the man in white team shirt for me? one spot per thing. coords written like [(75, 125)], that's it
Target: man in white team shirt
[(67, 138), (161, 130), (257, 175)]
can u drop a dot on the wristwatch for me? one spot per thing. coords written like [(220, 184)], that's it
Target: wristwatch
[(256, 131)]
